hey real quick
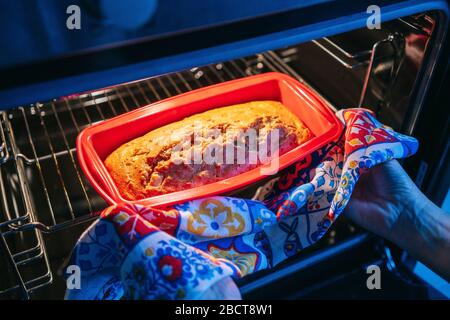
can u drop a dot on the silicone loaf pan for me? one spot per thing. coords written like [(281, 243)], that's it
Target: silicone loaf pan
[(95, 143)]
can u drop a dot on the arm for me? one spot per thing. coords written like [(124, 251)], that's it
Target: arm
[(424, 231), (388, 203)]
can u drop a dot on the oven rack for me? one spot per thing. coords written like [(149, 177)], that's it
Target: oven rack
[(367, 58), (387, 52), (39, 140)]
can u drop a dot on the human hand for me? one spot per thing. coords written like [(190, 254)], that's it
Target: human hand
[(388, 203), (380, 197)]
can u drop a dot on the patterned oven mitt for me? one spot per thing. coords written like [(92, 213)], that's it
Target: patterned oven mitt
[(179, 252)]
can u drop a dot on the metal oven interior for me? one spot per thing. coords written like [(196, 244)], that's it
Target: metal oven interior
[(46, 202)]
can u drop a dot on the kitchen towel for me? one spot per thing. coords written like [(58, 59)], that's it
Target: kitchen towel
[(136, 252)]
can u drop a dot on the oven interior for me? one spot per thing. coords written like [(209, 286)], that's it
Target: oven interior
[(46, 202)]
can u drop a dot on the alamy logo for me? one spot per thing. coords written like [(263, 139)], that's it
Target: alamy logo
[(73, 280), (73, 21), (374, 20), (374, 280)]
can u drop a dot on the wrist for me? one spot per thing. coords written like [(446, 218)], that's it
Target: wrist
[(408, 216), (423, 229)]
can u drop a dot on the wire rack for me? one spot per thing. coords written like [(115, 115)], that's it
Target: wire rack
[(42, 186)]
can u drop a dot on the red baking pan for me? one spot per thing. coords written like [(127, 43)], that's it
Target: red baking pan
[(95, 143)]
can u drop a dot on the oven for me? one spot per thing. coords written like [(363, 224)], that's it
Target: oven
[(400, 71)]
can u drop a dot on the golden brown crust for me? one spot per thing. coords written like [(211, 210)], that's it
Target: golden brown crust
[(147, 166)]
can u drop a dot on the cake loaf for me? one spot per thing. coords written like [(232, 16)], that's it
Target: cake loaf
[(174, 157)]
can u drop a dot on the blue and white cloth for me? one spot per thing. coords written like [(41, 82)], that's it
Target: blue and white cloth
[(135, 252)]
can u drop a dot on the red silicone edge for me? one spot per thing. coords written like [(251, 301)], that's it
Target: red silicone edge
[(101, 139)]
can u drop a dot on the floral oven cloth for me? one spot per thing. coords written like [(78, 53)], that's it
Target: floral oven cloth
[(179, 252)]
